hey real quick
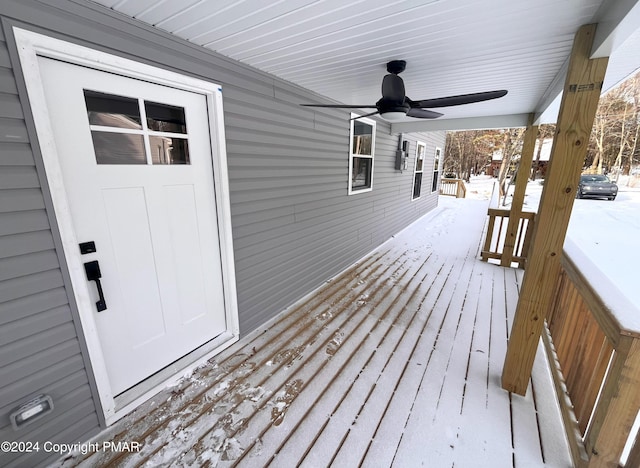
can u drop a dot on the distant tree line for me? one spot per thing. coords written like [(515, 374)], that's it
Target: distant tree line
[(613, 147)]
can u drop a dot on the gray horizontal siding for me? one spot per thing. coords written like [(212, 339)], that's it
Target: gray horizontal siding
[(13, 131), (16, 154), (326, 229), (21, 221), (22, 199), (23, 243), (10, 106), (39, 347), (27, 264), (34, 300), (15, 177), (294, 225)]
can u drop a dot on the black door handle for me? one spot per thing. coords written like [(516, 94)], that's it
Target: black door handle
[(92, 269)]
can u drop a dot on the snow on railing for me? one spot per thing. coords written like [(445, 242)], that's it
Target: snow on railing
[(593, 344)]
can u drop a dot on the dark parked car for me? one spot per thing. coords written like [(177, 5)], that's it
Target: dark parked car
[(596, 186)]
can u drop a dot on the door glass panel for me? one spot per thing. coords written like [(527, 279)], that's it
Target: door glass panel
[(165, 118), (166, 150), (118, 148), (112, 111)]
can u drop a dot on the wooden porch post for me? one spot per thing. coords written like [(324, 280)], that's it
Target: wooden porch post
[(522, 178), (579, 102)]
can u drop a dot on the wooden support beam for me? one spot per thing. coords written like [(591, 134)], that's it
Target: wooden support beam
[(575, 119), (522, 177)]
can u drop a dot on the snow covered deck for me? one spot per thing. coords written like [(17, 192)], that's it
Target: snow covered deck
[(395, 362)]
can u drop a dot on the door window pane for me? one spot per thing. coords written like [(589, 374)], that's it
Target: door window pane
[(166, 150), (112, 111), (118, 148), (128, 140), (165, 118)]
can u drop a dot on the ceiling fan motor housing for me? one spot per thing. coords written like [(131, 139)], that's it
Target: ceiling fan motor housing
[(392, 105)]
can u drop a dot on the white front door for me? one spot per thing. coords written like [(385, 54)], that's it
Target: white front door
[(136, 166)]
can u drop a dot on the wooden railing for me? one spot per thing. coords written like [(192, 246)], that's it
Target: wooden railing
[(497, 232), (595, 362), (453, 187)]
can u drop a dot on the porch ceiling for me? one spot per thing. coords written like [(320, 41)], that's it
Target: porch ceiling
[(339, 49)]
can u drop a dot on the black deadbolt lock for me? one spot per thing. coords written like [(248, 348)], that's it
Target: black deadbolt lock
[(87, 247)]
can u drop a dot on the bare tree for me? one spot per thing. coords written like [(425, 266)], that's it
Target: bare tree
[(545, 131), (614, 144), (615, 129), (469, 152)]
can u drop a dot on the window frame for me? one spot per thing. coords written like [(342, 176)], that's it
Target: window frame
[(352, 155), (437, 163), (416, 171)]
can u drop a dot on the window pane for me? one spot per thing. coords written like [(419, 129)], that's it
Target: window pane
[(165, 118), (362, 137), (361, 173), (166, 150), (112, 111), (434, 185), (417, 185), (118, 148), (420, 158)]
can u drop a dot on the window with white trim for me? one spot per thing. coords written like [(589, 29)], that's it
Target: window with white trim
[(418, 168), (361, 149), (436, 170)]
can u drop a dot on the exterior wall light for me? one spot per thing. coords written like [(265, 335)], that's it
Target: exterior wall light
[(31, 411)]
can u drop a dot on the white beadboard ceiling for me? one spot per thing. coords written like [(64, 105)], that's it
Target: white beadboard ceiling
[(339, 48)]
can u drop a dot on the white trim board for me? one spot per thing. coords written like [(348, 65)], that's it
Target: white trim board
[(30, 46)]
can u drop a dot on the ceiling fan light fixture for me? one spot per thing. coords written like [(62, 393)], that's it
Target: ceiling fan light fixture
[(393, 116)]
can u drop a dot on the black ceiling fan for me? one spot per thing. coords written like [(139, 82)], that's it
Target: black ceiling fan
[(394, 105)]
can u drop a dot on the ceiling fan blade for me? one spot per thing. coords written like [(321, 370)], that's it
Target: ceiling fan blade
[(365, 115), (393, 88), (460, 99), (341, 106), (423, 113)]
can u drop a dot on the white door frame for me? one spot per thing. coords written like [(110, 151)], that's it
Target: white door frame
[(30, 46)]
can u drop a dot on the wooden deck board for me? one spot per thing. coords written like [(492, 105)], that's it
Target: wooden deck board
[(395, 362), (484, 400)]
